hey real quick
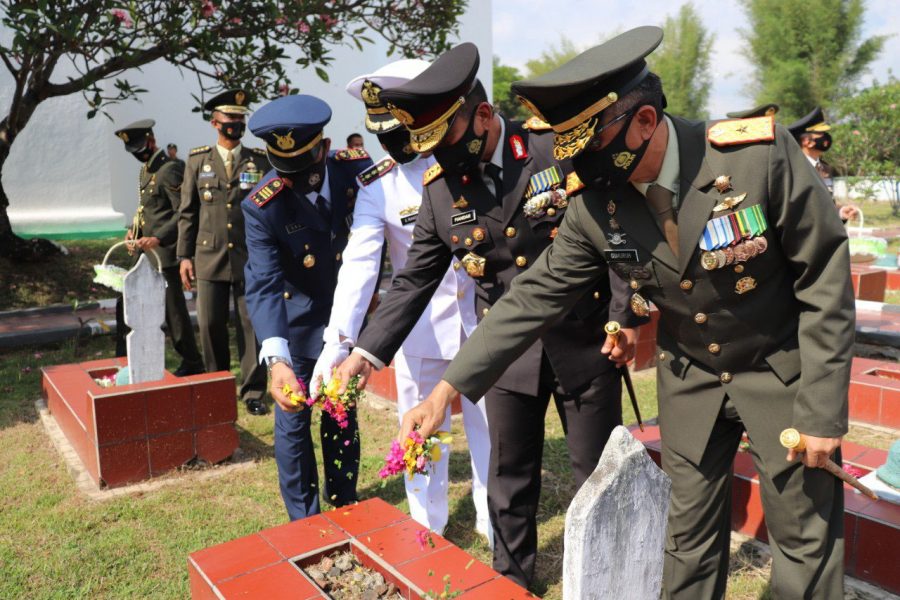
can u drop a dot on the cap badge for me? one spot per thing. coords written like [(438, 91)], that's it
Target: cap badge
[(239, 98), (285, 142), (370, 93), (123, 136)]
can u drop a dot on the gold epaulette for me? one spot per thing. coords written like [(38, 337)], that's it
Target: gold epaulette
[(268, 191), (433, 172), (350, 154), (376, 171), (200, 150), (573, 183), (742, 131), (536, 124)]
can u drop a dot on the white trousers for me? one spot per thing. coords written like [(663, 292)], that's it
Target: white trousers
[(427, 494)]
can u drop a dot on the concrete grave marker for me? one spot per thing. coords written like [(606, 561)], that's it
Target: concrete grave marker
[(145, 311), (616, 526)]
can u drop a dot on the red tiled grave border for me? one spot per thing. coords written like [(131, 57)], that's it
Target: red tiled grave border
[(381, 536), (129, 433)]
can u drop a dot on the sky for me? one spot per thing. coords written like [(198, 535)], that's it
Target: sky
[(524, 29)]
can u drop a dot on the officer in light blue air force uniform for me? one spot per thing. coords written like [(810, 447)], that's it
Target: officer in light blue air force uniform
[(297, 221)]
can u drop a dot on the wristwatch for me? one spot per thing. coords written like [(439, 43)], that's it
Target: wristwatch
[(272, 360)]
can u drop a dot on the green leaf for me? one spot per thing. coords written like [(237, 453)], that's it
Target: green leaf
[(323, 75)]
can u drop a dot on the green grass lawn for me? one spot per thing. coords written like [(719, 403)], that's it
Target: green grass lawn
[(54, 543)]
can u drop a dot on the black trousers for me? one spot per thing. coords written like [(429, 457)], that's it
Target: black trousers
[(178, 322), (516, 424), (212, 320)]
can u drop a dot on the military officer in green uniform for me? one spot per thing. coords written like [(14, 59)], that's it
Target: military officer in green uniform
[(155, 230), (726, 229), (211, 246), (812, 133)]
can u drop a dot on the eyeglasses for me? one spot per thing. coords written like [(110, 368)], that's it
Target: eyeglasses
[(594, 144)]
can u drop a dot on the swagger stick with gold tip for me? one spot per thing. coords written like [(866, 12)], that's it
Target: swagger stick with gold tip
[(613, 328), (793, 440)]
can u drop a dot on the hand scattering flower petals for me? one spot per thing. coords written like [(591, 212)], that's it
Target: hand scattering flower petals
[(415, 455)]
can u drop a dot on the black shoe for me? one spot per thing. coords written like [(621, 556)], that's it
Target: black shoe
[(185, 370), (255, 406)]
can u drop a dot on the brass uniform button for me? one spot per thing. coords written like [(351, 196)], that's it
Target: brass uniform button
[(287, 295), (738, 268), (228, 187), (686, 284), (510, 232), (700, 318), (207, 195), (228, 206), (551, 212), (596, 295), (521, 261), (468, 241), (456, 266), (337, 256), (662, 356), (454, 238), (230, 245), (229, 226), (725, 377), (634, 284), (713, 348), (484, 311), (204, 242), (309, 261), (478, 234)]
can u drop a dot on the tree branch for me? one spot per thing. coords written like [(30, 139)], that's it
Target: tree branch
[(111, 67), (8, 64)]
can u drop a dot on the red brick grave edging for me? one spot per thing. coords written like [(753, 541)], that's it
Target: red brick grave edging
[(268, 565), (130, 433)]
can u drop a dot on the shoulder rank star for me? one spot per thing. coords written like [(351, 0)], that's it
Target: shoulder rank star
[(729, 203)]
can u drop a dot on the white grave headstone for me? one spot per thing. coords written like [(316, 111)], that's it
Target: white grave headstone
[(144, 298), (616, 526)]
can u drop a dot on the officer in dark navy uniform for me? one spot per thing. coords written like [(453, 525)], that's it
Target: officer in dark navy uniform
[(491, 206), (296, 225)]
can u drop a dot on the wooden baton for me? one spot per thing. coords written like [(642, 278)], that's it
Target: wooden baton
[(793, 440)]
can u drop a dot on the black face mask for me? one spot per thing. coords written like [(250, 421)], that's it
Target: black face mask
[(143, 155), (233, 130), (612, 165), (463, 156), (822, 143), (396, 143)]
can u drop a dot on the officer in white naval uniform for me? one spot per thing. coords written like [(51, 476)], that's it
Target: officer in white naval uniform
[(389, 196)]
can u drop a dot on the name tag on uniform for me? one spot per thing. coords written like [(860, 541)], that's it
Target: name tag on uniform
[(406, 220), (204, 175), (616, 256), (294, 227), (463, 218)]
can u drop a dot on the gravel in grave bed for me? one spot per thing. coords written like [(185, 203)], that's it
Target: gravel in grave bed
[(343, 577)]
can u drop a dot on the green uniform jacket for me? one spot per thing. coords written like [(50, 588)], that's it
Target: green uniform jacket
[(780, 350), (211, 226), (160, 189)]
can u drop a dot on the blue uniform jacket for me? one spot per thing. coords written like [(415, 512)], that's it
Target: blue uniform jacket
[(294, 255)]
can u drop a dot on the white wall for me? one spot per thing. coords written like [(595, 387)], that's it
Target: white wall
[(67, 174)]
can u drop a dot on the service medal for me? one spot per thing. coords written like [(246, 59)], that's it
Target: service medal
[(761, 244), (474, 264), (721, 259), (741, 254), (709, 261), (729, 255), (639, 305), (723, 183)]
